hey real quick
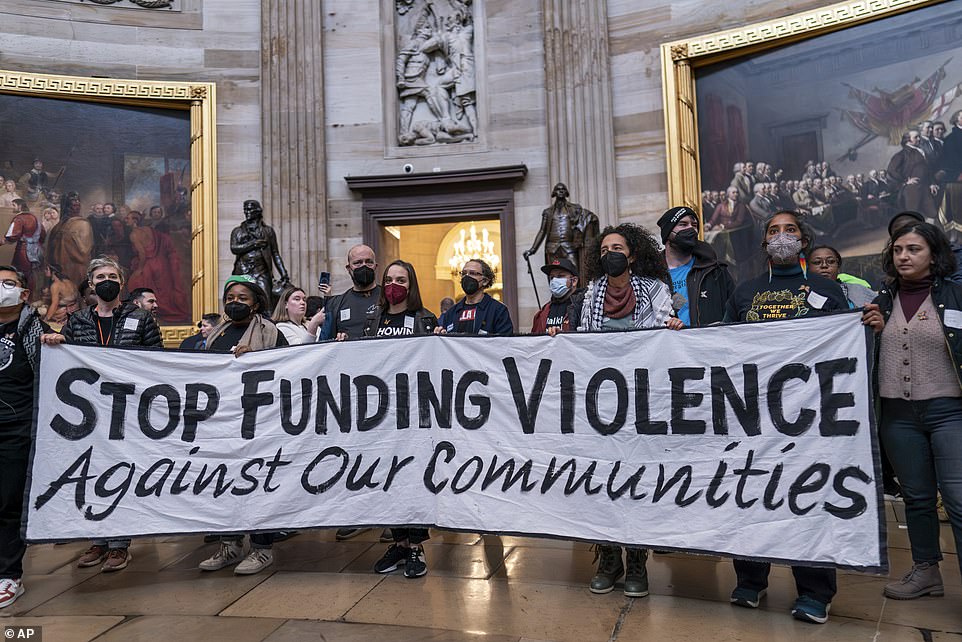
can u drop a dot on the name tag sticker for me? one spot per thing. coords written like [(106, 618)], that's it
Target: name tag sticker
[(130, 324), (467, 315), (816, 300), (346, 314), (409, 322), (953, 318)]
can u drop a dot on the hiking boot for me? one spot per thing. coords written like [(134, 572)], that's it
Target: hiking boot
[(117, 559), (923, 579), (749, 598), (255, 562), (808, 609), (10, 590), (92, 556), (609, 570), (636, 575), (415, 566), (228, 554), (393, 559)]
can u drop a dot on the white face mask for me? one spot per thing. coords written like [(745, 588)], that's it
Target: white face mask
[(9, 296), (558, 286)]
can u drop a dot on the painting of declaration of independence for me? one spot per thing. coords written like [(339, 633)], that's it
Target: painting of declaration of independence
[(84, 179), (846, 128)]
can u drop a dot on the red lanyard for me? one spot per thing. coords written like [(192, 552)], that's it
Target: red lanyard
[(100, 332)]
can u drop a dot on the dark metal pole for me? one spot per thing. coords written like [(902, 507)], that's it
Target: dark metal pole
[(527, 260)]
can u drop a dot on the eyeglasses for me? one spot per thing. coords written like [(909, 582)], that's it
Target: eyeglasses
[(10, 283), (472, 273), (824, 262)]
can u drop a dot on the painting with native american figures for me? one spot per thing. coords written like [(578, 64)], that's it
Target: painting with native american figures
[(846, 128)]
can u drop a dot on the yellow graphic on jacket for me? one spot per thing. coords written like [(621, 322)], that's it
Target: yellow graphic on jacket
[(780, 304)]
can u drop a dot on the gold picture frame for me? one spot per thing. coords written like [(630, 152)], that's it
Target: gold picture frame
[(199, 98), (681, 58)]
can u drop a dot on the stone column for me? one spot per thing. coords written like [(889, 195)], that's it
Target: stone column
[(292, 107), (581, 150)]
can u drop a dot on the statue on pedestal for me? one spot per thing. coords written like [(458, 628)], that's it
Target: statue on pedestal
[(567, 229), (254, 244)]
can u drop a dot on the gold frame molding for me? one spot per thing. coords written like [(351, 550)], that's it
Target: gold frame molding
[(197, 97), (680, 58)]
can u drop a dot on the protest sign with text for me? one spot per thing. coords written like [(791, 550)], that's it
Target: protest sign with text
[(751, 440)]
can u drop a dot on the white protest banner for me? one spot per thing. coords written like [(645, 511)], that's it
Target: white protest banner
[(751, 440)]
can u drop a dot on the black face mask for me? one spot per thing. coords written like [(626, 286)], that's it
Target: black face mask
[(469, 285), (107, 290), (363, 276), (237, 311), (685, 240), (614, 263)]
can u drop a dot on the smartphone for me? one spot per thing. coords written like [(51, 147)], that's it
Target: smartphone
[(324, 279)]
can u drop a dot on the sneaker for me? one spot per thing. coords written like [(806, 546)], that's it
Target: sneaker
[(228, 554), (10, 590), (386, 536), (747, 597), (923, 579), (808, 609), (280, 536), (392, 560), (347, 533), (415, 566), (92, 556), (609, 570), (117, 559), (636, 575), (255, 562)]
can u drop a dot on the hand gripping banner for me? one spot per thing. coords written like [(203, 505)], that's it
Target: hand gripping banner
[(754, 441)]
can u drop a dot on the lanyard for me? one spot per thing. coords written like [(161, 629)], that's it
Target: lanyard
[(100, 332)]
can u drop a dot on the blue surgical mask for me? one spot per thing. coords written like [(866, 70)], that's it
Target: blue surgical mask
[(559, 287)]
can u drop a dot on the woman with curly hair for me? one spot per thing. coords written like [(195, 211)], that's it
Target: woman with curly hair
[(627, 291)]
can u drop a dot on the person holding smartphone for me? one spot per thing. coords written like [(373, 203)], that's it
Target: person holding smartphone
[(347, 312)]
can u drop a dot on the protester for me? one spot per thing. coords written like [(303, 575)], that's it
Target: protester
[(827, 261), (87, 295), (446, 304), (198, 341), (562, 312), (244, 329), (346, 313), (145, 299), (626, 291), (477, 312), (108, 323), (290, 317), (399, 313), (700, 284), (20, 331), (787, 290), (920, 386)]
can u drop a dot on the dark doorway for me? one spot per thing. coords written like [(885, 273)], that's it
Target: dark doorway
[(798, 149)]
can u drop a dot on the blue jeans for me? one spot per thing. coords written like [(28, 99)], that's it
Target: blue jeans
[(924, 443)]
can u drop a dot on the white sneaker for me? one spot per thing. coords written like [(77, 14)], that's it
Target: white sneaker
[(10, 590), (255, 562), (229, 553)]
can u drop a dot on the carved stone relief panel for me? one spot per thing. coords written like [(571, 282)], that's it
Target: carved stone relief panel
[(434, 72)]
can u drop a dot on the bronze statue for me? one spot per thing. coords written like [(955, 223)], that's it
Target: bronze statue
[(255, 246), (568, 228)]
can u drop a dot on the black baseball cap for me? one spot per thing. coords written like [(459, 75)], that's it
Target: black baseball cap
[(560, 264)]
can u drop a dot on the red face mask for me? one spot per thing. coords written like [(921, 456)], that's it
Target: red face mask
[(395, 293)]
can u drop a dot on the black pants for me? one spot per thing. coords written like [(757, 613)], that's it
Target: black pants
[(414, 535), (816, 583), (13, 480)]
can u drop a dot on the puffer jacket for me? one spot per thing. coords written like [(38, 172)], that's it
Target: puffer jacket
[(131, 327)]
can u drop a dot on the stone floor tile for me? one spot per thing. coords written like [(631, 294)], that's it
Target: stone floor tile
[(76, 628), (300, 553), (456, 560), (671, 619), (538, 542), (192, 627), (573, 566), (936, 613), (300, 630), (899, 537), (540, 611), (132, 592), (305, 595), (41, 559), (39, 589), (940, 636)]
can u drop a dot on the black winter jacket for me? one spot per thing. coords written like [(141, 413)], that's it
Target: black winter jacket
[(424, 322), (709, 287), (947, 297), (131, 327)]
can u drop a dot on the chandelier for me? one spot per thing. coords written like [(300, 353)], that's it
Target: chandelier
[(469, 246)]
